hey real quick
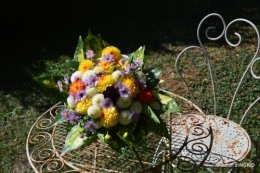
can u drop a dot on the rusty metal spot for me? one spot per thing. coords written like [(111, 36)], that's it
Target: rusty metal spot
[(231, 143)]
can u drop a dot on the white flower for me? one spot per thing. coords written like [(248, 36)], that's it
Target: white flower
[(97, 99), (75, 76), (98, 70), (94, 111), (124, 117), (71, 101), (117, 76), (91, 91), (87, 74), (124, 60), (141, 76), (123, 102), (136, 107)]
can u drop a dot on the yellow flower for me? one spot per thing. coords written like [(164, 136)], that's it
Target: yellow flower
[(107, 66), (132, 85), (82, 106), (104, 82), (85, 65), (110, 117), (112, 51)]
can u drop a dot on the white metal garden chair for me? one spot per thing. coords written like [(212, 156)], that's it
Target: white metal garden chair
[(231, 143)]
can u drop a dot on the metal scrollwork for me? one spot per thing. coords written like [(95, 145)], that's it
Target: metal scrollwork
[(226, 133), (250, 65), (198, 145), (39, 150), (186, 164), (206, 60), (53, 165), (191, 134), (40, 154), (43, 124)]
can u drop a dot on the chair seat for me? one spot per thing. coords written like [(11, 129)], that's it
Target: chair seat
[(231, 144)]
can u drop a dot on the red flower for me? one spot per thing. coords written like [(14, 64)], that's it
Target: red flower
[(145, 96)]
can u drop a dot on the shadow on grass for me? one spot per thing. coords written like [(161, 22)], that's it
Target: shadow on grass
[(33, 32), (37, 31)]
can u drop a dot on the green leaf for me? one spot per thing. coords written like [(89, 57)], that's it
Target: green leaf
[(169, 103), (101, 137), (128, 142), (139, 54), (79, 53), (152, 77), (95, 43), (157, 72), (72, 64), (125, 133), (48, 85), (88, 141), (164, 99), (58, 120), (158, 129), (73, 140), (149, 113), (130, 56)]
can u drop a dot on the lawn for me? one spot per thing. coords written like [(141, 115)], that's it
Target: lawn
[(37, 36)]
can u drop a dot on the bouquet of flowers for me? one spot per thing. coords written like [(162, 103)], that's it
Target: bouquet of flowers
[(111, 97)]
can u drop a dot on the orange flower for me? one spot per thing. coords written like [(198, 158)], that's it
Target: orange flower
[(132, 85), (145, 96), (76, 87)]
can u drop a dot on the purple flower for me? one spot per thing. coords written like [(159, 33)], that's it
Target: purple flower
[(124, 91), (100, 73), (133, 67), (81, 95), (65, 114), (92, 80), (60, 85), (142, 83), (119, 85), (108, 58), (106, 103), (66, 79), (127, 70), (134, 117), (138, 63), (90, 126), (90, 54), (74, 117)]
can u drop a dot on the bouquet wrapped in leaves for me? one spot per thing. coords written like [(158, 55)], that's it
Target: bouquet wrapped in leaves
[(111, 97)]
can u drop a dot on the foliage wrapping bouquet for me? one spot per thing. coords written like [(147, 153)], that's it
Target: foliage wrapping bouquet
[(111, 98)]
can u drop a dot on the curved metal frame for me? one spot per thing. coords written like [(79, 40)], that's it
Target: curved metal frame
[(43, 154), (39, 152), (43, 147), (207, 60), (193, 153)]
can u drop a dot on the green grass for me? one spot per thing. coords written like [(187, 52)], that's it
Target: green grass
[(44, 36)]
